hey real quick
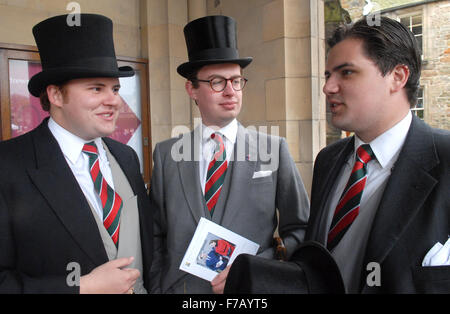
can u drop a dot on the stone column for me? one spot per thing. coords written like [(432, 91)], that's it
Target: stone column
[(294, 98), (286, 40), (196, 9), (162, 23)]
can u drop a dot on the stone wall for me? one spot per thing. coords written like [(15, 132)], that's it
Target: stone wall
[(436, 69), (18, 17), (286, 40)]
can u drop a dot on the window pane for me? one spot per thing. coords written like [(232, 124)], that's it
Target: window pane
[(420, 93), (419, 43), (419, 99), (419, 104), (405, 21), (416, 20), (417, 30), (26, 110), (129, 127)]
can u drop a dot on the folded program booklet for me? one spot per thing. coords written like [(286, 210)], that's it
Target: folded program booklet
[(213, 248)]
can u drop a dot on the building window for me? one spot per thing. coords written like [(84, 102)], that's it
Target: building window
[(414, 23), (418, 108)]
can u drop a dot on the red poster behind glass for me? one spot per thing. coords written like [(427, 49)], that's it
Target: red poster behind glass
[(26, 111)]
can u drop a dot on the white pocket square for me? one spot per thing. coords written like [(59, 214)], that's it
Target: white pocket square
[(439, 255), (261, 174)]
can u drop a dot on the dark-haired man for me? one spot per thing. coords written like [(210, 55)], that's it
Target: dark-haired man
[(380, 198)]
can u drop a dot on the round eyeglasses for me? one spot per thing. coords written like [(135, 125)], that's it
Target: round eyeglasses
[(218, 83)]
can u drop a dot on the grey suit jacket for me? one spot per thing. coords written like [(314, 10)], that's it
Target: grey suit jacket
[(246, 205), (413, 214)]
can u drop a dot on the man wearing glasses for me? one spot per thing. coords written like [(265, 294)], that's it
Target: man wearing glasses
[(234, 176)]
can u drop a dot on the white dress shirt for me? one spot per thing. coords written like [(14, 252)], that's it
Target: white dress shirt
[(208, 145), (349, 252), (72, 146)]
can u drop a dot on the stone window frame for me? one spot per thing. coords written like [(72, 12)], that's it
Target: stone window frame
[(411, 25), (419, 108)]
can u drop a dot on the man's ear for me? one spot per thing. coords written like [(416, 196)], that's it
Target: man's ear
[(191, 90), (400, 75), (55, 96)]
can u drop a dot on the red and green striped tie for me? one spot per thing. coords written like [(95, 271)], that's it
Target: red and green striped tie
[(348, 207), (111, 201), (216, 173)]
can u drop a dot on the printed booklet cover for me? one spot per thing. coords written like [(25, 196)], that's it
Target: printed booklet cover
[(213, 248)]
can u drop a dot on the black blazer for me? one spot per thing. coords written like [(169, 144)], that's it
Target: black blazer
[(45, 220), (414, 212)]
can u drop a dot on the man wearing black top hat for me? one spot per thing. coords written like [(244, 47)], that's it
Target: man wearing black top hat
[(218, 171), (74, 213)]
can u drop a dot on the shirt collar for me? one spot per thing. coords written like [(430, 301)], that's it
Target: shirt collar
[(70, 144), (387, 145), (229, 131)]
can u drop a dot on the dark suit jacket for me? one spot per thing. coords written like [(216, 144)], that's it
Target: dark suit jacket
[(45, 220), (413, 214)]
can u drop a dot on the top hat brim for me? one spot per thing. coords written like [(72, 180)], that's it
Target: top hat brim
[(321, 270), (41, 80), (311, 270), (187, 68)]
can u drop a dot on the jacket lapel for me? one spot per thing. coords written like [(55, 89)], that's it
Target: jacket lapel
[(189, 175), (398, 206), (55, 180), (318, 231), (242, 171)]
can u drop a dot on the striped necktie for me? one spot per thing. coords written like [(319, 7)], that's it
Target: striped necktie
[(348, 207), (111, 201), (215, 175)]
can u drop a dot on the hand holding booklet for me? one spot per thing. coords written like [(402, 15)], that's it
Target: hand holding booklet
[(213, 248)]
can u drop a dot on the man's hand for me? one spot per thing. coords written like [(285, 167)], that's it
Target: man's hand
[(218, 283), (110, 277)]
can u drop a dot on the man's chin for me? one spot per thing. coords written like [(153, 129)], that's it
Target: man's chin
[(105, 132)]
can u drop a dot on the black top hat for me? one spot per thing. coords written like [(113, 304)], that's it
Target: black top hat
[(70, 52), (311, 269), (211, 40)]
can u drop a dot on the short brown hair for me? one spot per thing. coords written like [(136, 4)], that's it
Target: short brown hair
[(192, 76), (45, 102)]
